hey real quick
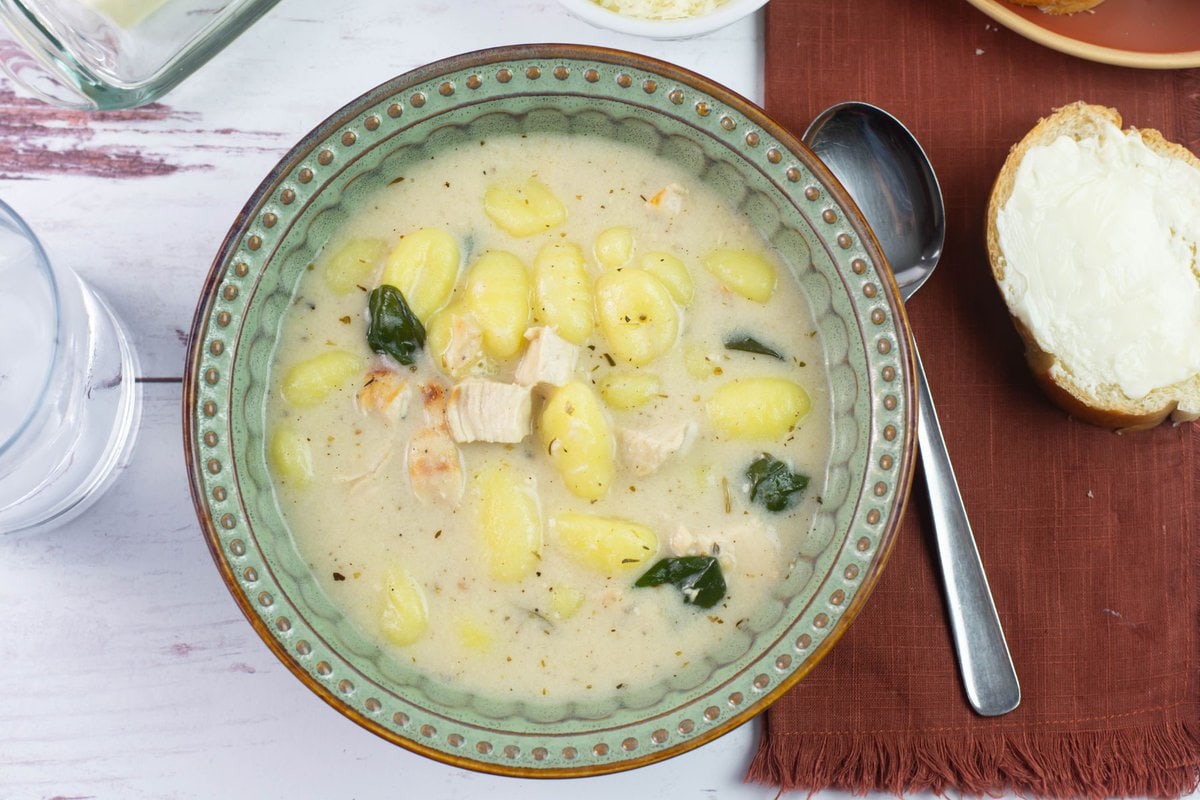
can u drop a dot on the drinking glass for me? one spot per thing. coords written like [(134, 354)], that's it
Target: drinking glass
[(69, 399), (105, 54)]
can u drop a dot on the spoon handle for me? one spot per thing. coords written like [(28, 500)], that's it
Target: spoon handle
[(987, 669)]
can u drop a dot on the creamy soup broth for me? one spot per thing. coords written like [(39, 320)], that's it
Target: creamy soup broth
[(565, 629)]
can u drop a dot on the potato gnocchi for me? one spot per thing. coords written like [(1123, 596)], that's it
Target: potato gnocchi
[(637, 315), (563, 292), (573, 417), (509, 521), (578, 439), (497, 295), (423, 266)]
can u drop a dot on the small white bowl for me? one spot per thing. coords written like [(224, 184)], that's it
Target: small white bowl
[(729, 12)]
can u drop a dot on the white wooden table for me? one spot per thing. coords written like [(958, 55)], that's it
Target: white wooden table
[(130, 673)]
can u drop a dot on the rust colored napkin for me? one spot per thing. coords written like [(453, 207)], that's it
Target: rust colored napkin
[(1091, 540)]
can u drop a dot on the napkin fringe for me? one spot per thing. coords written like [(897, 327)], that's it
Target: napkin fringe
[(1162, 761)]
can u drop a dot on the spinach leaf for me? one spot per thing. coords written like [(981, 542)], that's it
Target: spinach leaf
[(394, 329), (699, 578), (748, 344), (773, 484)]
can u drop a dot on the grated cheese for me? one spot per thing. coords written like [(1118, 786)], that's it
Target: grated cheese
[(661, 9)]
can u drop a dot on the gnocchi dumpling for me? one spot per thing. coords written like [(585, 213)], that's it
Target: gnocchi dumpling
[(673, 273), (524, 210), (700, 363), (626, 389), (757, 408), (290, 455), (509, 521), (353, 265), (613, 247), (472, 633), (579, 440), (309, 382), (562, 292), (606, 544), (405, 615), (497, 294), (424, 266), (565, 601), (636, 314), (744, 272)]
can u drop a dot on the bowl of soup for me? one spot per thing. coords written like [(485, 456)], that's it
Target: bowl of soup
[(549, 410)]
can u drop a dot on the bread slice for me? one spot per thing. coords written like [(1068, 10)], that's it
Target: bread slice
[(1059, 6), (1101, 400)]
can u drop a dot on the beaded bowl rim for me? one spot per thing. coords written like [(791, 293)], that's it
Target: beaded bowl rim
[(339, 121)]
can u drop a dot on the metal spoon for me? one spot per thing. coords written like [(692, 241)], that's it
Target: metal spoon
[(887, 173)]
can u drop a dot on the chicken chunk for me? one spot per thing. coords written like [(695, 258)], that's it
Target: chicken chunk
[(644, 451), (434, 467), (464, 351), (435, 398), (385, 392), (489, 411), (549, 359), (685, 542), (748, 547), (668, 200)]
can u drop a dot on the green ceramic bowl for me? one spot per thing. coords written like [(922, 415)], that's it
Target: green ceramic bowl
[(723, 140)]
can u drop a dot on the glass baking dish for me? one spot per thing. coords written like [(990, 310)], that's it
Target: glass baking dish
[(106, 54)]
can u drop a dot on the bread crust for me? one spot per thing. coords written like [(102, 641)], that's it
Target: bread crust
[(1180, 401), (1059, 6)]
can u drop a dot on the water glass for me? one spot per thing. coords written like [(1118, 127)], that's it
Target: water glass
[(69, 398), (105, 54)]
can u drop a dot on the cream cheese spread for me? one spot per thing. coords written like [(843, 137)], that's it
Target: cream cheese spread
[(1100, 242)]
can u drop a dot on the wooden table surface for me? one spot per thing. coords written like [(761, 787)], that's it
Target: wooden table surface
[(130, 671)]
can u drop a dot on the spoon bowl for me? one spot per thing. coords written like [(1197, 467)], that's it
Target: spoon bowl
[(889, 176)]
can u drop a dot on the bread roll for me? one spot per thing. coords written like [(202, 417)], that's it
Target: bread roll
[(1093, 234)]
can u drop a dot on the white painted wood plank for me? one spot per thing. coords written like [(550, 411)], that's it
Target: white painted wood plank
[(138, 202), (131, 672)]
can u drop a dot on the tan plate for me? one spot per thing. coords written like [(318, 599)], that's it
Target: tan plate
[(1152, 34)]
